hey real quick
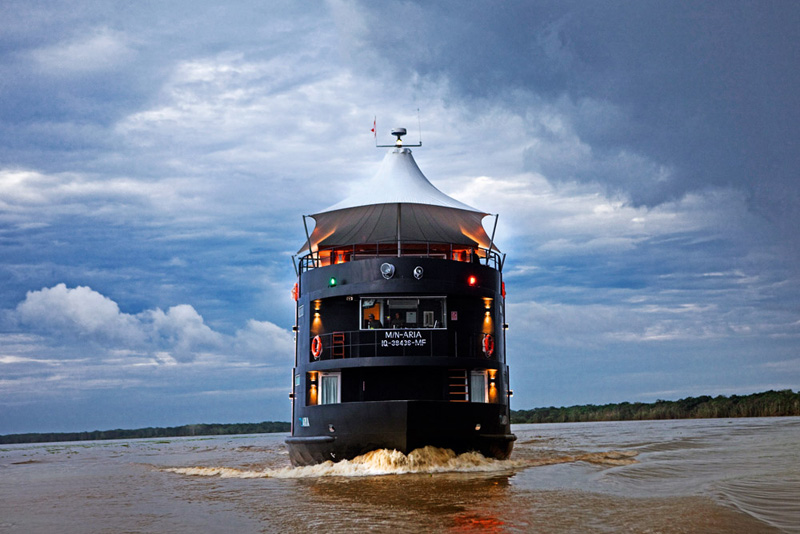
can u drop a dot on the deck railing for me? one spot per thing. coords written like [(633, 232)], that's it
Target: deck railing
[(402, 342), (335, 255)]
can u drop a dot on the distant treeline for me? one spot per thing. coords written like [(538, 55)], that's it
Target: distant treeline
[(150, 432), (768, 404)]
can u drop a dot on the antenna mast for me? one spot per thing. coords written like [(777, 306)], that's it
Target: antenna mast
[(397, 132)]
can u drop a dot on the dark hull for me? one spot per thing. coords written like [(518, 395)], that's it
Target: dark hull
[(399, 388), (402, 425)]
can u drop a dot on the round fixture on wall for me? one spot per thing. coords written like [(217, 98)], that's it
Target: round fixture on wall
[(387, 270)]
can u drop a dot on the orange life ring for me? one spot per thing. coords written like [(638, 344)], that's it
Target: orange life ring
[(488, 344), (295, 292), (316, 347)]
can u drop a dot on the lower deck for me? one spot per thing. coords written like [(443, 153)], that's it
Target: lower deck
[(405, 382)]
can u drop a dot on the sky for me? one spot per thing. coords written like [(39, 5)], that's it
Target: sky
[(156, 159)]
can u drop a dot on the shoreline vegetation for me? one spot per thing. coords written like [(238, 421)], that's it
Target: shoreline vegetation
[(767, 404), (213, 429)]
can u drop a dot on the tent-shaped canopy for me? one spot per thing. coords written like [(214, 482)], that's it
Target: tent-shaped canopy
[(398, 204)]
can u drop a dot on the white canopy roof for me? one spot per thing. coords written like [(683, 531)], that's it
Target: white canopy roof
[(398, 204), (399, 180)]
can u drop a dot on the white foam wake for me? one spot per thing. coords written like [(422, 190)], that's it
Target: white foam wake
[(392, 462), (378, 462)]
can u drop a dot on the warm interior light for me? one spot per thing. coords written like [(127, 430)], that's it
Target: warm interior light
[(312, 389), (493, 393)]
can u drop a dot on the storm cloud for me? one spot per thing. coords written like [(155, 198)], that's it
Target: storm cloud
[(155, 161)]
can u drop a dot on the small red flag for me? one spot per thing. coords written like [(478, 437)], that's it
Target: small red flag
[(374, 123)]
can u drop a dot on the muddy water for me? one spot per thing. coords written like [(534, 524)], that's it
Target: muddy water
[(739, 475)]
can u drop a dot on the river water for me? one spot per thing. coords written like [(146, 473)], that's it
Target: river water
[(709, 475)]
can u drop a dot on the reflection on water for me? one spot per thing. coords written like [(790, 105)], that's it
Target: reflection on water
[(657, 476)]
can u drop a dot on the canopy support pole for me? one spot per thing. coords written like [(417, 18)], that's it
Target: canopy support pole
[(308, 240), (398, 228), (491, 241)]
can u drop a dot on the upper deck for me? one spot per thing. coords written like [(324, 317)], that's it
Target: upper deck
[(397, 213)]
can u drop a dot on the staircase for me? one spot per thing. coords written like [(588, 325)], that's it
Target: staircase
[(458, 385), (338, 345)]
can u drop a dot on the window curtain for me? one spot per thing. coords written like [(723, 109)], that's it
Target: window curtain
[(330, 389)]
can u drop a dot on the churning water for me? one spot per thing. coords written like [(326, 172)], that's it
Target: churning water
[(720, 475)]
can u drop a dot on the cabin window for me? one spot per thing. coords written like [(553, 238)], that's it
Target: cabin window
[(477, 386), (403, 312), (330, 390)]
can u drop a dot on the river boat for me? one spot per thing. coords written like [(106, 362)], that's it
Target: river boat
[(400, 324)]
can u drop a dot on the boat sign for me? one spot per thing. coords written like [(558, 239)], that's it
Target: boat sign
[(403, 338)]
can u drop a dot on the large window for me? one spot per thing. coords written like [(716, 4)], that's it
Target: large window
[(329, 388), (403, 312)]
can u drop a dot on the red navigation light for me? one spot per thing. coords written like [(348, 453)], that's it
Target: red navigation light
[(472, 280)]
